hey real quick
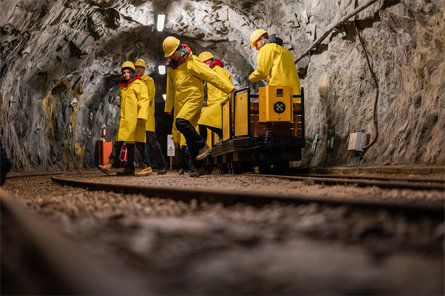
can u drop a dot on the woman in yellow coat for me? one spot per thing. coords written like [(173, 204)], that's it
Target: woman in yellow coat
[(151, 141), (275, 63), (211, 116), (133, 114), (185, 91), (134, 111)]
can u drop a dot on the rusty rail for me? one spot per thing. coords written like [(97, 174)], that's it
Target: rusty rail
[(212, 195), (362, 181)]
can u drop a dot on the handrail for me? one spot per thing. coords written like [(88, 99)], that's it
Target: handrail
[(242, 89)]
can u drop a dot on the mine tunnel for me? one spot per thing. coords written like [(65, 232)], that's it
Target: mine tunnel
[(222, 147)]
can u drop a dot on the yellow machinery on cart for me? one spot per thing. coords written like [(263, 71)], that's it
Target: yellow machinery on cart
[(264, 130)]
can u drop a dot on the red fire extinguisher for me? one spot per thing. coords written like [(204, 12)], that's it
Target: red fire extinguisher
[(124, 154)]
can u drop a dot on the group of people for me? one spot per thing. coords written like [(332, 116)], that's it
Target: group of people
[(136, 122), (188, 77)]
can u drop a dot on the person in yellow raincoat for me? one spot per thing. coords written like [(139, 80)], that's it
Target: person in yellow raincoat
[(185, 92), (275, 63), (150, 131), (133, 114), (211, 116)]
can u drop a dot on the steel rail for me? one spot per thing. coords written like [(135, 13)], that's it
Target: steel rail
[(362, 182), (382, 178), (43, 174), (33, 174), (232, 196), (61, 264)]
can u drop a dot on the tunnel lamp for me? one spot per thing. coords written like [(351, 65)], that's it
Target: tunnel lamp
[(160, 22), (161, 69), (164, 96)]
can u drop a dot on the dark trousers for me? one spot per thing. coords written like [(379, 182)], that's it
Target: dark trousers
[(144, 153), (193, 139), (153, 145), (185, 161), (203, 131), (114, 157)]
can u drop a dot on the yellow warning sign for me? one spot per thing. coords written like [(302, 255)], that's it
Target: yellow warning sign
[(170, 146)]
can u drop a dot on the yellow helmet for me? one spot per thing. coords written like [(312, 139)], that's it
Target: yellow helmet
[(255, 36), (205, 55), (140, 63), (169, 45), (128, 64)]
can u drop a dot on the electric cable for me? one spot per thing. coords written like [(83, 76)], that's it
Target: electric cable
[(376, 82)]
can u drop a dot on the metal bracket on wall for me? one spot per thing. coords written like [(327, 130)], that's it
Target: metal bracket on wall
[(310, 32)]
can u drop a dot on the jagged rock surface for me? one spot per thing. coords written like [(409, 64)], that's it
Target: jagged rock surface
[(57, 53)]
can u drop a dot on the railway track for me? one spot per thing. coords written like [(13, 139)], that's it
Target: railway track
[(418, 183), (76, 273), (38, 259), (233, 196), (363, 181), (42, 174)]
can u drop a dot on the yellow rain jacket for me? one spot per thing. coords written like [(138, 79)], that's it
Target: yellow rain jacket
[(150, 123), (212, 114), (276, 66), (134, 106), (185, 90)]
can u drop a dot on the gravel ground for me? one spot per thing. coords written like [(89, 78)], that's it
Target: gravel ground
[(202, 248), (275, 185)]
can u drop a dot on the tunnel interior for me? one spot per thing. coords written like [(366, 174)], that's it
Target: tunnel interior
[(60, 62)]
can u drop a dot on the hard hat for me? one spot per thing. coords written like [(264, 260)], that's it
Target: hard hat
[(169, 45), (205, 55), (140, 63), (255, 36), (128, 64)]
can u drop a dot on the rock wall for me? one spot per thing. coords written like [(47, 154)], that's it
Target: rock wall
[(60, 61), (405, 42)]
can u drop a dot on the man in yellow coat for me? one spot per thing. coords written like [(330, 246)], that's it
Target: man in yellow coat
[(275, 63), (133, 114), (211, 116), (185, 92), (152, 141)]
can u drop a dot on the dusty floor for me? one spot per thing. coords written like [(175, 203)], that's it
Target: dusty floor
[(276, 185), (201, 248)]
